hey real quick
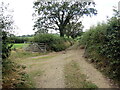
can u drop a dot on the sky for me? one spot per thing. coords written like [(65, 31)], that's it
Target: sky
[(23, 10)]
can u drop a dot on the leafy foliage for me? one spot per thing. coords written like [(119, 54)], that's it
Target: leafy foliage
[(111, 48), (56, 15), (6, 46), (73, 29), (102, 46)]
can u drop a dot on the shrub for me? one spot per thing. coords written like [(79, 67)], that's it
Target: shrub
[(58, 47), (54, 42)]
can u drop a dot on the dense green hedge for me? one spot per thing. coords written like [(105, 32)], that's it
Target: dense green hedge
[(102, 44), (54, 42), (111, 47)]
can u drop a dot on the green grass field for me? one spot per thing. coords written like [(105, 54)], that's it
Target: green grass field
[(19, 45)]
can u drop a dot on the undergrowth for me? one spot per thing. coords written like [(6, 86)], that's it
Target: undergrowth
[(14, 76)]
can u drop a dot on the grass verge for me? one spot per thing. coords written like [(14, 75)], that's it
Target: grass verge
[(21, 54), (74, 78)]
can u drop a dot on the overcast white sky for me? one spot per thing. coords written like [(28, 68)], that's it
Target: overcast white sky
[(23, 14)]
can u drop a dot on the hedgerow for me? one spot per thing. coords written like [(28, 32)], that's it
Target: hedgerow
[(15, 39), (102, 45), (54, 42), (111, 47)]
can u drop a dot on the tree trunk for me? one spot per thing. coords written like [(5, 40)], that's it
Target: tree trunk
[(61, 32)]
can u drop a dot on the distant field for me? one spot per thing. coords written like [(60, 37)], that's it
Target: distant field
[(19, 45)]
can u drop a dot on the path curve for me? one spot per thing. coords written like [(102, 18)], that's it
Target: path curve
[(53, 76)]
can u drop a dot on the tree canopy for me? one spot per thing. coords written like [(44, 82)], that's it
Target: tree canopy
[(73, 29), (6, 19), (57, 15)]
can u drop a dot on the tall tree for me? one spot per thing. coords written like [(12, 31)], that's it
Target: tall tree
[(56, 15)]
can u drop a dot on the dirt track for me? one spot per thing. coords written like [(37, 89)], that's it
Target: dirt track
[(48, 69)]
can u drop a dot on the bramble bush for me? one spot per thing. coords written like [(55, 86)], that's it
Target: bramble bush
[(102, 44)]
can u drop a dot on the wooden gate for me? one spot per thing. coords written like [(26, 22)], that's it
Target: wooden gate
[(42, 46), (37, 47)]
